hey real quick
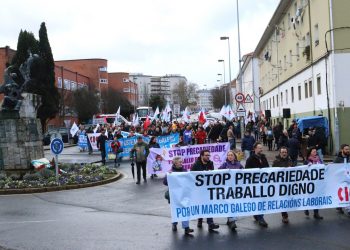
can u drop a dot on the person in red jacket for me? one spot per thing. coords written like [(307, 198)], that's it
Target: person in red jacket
[(201, 135)]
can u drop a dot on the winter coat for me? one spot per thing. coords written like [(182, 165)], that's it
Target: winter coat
[(247, 143), (199, 166), (282, 162), (201, 136), (153, 145), (293, 146), (231, 165), (340, 159), (283, 141), (141, 151), (187, 136), (257, 161), (101, 142)]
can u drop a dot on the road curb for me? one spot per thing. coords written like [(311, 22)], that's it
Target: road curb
[(59, 188)]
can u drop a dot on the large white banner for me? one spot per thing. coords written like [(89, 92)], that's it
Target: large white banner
[(160, 160), (225, 193)]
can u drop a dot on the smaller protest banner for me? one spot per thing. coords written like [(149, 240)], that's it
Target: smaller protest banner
[(82, 142), (160, 159)]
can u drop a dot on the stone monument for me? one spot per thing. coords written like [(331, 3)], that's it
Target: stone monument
[(20, 130)]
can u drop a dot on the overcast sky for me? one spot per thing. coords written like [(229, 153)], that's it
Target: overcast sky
[(154, 37)]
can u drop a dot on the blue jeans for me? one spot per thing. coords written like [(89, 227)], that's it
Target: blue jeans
[(185, 224), (232, 143)]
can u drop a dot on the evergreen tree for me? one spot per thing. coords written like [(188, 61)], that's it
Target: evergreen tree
[(26, 42), (157, 101), (46, 87)]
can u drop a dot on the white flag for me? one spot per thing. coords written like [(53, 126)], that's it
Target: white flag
[(230, 115), (117, 115), (74, 129), (156, 113), (97, 126), (186, 116), (135, 121), (106, 133), (223, 110)]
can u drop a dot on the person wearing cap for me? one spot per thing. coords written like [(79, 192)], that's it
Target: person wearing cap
[(139, 153)]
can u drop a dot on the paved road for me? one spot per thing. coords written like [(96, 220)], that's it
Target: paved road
[(123, 215)]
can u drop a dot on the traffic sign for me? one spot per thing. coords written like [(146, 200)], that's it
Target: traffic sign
[(248, 99), (240, 107), (239, 97), (241, 113), (56, 146)]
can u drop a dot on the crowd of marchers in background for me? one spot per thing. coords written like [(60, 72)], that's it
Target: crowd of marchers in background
[(292, 144)]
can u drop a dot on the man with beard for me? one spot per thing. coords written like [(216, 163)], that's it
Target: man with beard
[(203, 163), (258, 160)]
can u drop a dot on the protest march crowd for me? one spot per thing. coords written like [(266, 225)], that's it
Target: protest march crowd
[(144, 143)]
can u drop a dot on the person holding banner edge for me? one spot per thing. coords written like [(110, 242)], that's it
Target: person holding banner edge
[(231, 163), (313, 158), (258, 160), (203, 163), (178, 167)]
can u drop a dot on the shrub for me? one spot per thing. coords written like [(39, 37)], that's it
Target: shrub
[(15, 177), (31, 177), (46, 173)]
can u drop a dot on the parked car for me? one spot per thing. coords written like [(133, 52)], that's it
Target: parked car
[(64, 132)]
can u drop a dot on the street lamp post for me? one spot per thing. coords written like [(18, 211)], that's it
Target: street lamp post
[(240, 63), (223, 86), (223, 62), (229, 63)]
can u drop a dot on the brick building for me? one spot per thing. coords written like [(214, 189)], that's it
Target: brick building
[(120, 81)]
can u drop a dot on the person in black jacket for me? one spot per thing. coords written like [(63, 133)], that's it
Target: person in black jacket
[(203, 163), (258, 160), (293, 146), (101, 145), (284, 161)]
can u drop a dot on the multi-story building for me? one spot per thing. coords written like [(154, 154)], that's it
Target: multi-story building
[(303, 63), (160, 85), (143, 87), (205, 99)]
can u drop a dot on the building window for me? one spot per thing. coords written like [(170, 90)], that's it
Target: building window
[(306, 90), (310, 88), (66, 83), (59, 82), (297, 51), (290, 59), (288, 21), (103, 80), (125, 80), (316, 35), (280, 65), (285, 62), (277, 100), (281, 99), (319, 85), (273, 101), (73, 85), (292, 93), (299, 92), (126, 90), (286, 96), (307, 39)]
